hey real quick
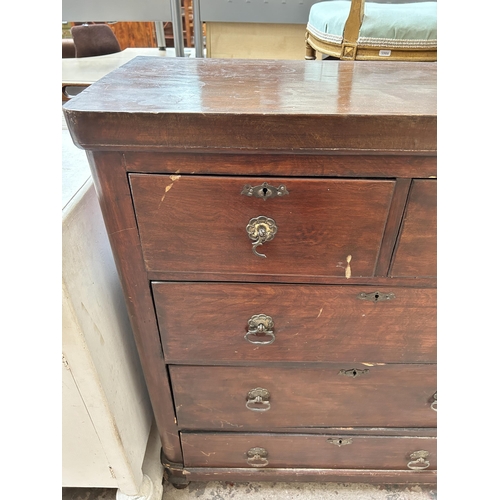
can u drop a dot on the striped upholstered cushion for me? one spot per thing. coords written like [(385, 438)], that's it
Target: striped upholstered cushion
[(407, 25)]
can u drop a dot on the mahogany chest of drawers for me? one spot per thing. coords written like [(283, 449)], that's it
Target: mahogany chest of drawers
[(274, 227)]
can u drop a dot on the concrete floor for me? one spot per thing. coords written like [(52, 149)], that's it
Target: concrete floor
[(271, 491)]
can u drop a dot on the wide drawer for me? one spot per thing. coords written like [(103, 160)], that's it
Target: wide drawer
[(322, 227), (308, 451), (204, 323), (337, 395)]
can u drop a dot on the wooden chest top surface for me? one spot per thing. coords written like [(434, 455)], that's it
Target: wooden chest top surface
[(149, 102)]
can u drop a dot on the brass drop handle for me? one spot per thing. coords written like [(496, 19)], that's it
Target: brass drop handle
[(257, 457), (261, 229), (419, 460), (434, 404), (260, 330), (258, 399)]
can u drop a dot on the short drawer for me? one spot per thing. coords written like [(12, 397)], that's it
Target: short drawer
[(337, 395), (416, 253), (316, 227), (213, 323), (309, 451)]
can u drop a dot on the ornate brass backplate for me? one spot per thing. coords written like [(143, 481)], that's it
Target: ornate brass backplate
[(261, 229), (419, 460), (258, 399), (260, 329), (257, 457), (434, 404)]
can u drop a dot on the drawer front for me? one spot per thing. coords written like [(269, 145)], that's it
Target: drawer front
[(347, 395), (309, 451), (204, 323), (204, 225), (416, 253)]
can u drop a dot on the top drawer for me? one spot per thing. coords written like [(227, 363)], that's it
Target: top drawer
[(319, 227), (416, 254)]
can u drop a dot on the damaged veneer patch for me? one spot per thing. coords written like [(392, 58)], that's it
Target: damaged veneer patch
[(168, 187), (348, 267)]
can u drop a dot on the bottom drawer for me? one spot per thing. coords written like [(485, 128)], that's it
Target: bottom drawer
[(308, 451)]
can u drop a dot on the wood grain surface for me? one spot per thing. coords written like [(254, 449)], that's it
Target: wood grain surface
[(118, 213), (207, 323), (215, 397), (172, 142), (189, 104), (198, 224), (309, 451), (322, 165), (416, 254)]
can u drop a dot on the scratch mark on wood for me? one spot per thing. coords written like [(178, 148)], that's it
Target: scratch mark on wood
[(175, 177), (348, 268), (121, 230), (208, 454), (222, 422), (320, 311), (209, 408)]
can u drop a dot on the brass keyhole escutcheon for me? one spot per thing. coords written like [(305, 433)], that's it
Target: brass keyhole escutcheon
[(264, 191), (261, 229), (341, 441), (354, 372), (376, 296)]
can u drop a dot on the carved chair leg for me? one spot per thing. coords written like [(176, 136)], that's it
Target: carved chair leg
[(310, 52)]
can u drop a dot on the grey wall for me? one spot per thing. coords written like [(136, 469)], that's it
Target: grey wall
[(116, 10), (248, 11), (256, 11)]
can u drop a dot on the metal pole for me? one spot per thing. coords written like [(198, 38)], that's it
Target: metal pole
[(198, 29), (160, 35), (177, 27)]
